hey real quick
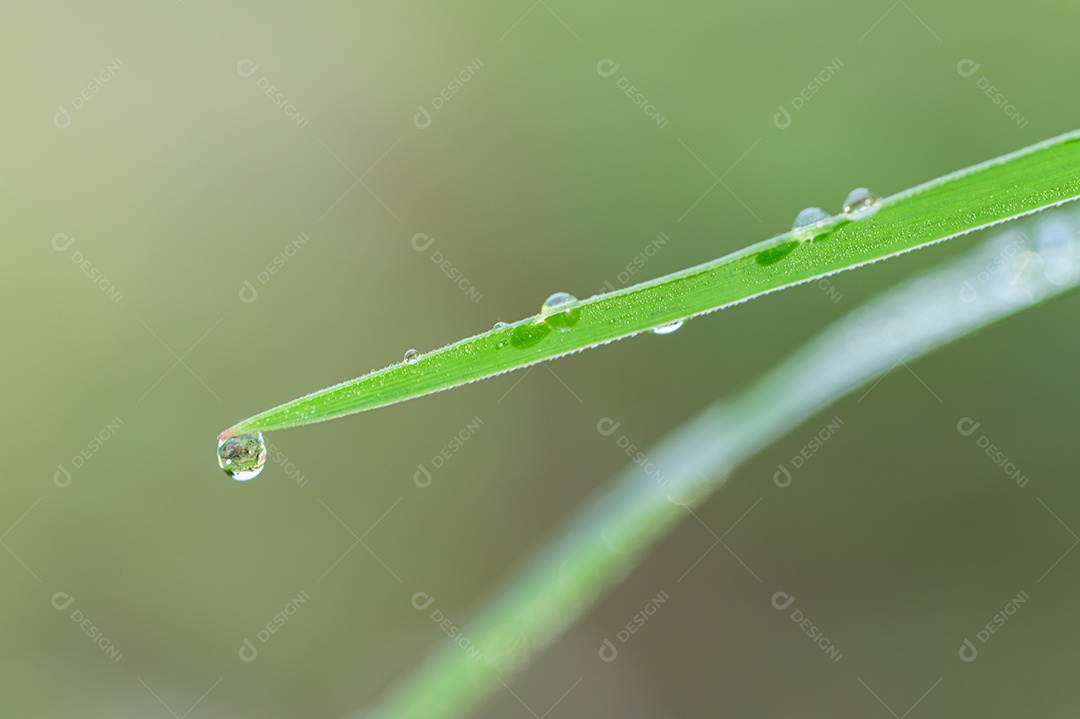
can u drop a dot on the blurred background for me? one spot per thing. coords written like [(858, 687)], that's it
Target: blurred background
[(211, 209)]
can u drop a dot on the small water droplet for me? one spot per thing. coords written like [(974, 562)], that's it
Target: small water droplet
[(810, 216), (500, 326), (558, 311), (243, 456), (667, 328), (861, 203), (411, 356)]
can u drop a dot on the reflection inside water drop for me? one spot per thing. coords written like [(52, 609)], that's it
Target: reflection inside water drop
[(242, 457), (559, 311), (411, 356), (810, 216), (861, 203)]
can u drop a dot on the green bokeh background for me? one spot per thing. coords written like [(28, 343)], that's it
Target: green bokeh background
[(180, 179)]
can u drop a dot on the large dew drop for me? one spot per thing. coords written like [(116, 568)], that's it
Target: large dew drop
[(667, 328), (861, 203), (810, 216), (411, 356), (558, 311), (242, 457)]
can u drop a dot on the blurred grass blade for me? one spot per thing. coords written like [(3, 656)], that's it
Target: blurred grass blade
[(1006, 275), (1011, 186)]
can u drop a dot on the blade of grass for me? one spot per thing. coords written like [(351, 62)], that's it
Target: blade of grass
[(1008, 187), (1001, 277)]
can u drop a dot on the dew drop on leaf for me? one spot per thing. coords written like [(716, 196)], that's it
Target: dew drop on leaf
[(558, 311), (667, 328), (243, 456), (809, 216), (861, 203)]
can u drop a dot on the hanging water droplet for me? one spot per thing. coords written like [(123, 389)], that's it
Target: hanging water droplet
[(411, 356), (558, 311), (861, 203), (810, 216), (243, 456), (667, 328)]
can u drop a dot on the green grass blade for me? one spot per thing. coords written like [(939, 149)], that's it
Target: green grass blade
[(610, 536), (1008, 187)]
